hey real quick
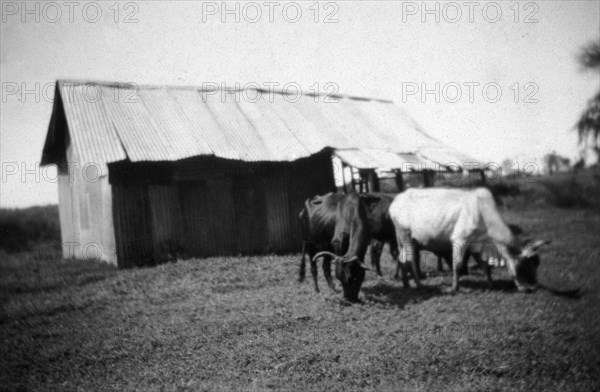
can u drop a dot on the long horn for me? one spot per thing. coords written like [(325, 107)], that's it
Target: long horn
[(351, 259), (324, 253), (531, 248)]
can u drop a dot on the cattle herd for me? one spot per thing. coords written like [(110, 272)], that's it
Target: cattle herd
[(453, 224)]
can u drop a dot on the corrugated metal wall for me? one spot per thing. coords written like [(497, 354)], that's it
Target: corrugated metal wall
[(166, 220), (279, 231), (208, 217), (212, 208), (133, 226), (250, 213)]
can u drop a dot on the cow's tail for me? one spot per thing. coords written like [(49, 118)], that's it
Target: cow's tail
[(303, 219), (302, 272)]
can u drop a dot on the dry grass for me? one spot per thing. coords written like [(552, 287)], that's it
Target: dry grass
[(245, 323)]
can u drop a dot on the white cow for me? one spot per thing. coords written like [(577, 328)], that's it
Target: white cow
[(461, 223)]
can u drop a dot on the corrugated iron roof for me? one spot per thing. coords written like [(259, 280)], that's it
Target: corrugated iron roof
[(110, 122)]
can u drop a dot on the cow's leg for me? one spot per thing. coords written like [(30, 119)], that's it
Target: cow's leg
[(398, 266), (401, 265), (459, 251), (485, 266), (394, 252), (376, 250), (418, 261), (440, 267), (447, 256), (405, 243), (327, 272), (302, 272), (414, 258), (407, 256), (464, 269), (398, 259)]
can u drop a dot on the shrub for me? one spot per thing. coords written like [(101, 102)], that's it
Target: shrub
[(24, 229)]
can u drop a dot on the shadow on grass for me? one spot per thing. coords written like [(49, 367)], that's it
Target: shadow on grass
[(482, 285), (386, 294), (508, 286)]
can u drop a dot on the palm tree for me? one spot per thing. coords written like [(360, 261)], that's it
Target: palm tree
[(588, 126)]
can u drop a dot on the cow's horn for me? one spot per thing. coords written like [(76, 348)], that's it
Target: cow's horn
[(324, 253), (351, 259), (531, 248)]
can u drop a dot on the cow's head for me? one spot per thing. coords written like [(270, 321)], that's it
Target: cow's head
[(350, 272), (523, 263)]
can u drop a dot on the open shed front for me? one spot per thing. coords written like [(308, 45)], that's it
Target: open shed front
[(206, 206)]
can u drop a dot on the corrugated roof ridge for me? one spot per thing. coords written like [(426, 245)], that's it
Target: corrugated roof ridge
[(108, 83)]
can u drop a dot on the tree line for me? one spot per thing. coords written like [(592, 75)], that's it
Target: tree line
[(21, 229)]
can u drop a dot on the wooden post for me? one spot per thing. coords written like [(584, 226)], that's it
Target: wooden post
[(364, 180), (344, 177), (482, 174), (399, 180), (369, 178), (375, 181), (428, 178), (352, 182)]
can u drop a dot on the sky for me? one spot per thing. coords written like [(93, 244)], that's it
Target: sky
[(500, 78)]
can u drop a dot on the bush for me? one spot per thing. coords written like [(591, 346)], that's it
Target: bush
[(24, 229), (563, 190)]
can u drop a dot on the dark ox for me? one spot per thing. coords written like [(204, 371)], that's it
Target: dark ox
[(381, 227), (318, 222), (334, 227)]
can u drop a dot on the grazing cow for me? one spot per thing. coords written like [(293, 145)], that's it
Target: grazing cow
[(318, 232), (350, 236), (461, 223), (382, 230), (381, 227), (317, 224)]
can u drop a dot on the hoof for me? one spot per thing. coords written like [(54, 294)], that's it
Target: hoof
[(450, 290)]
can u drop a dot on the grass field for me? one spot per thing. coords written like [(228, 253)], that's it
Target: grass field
[(246, 323)]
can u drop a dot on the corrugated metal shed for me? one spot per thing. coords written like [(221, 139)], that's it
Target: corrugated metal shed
[(380, 159), (110, 122)]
